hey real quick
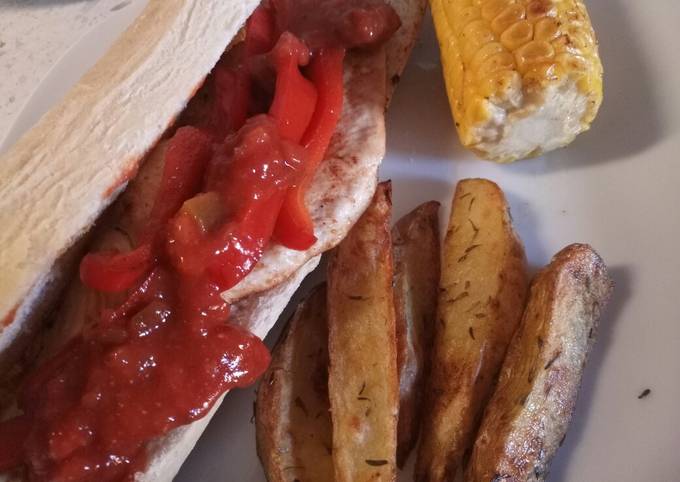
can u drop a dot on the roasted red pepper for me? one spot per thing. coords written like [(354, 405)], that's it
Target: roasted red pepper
[(155, 286), (294, 96), (325, 71), (221, 107), (232, 97), (186, 157), (294, 228), (260, 31), (112, 272)]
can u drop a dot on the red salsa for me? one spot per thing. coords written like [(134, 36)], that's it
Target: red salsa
[(234, 179)]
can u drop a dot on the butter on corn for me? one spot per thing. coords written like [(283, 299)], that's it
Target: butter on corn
[(523, 77)]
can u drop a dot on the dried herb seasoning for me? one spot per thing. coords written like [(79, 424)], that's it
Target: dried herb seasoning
[(645, 393)]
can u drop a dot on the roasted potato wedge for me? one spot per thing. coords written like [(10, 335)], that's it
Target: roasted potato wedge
[(292, 418), (362, 381), (529, 413), (415, 244), (481, 299)]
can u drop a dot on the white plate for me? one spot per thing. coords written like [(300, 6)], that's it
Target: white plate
[(616, 187)]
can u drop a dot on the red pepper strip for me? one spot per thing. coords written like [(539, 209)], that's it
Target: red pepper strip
[(221, 105), (294, 96), (185, 158), (13, 434), (326, 71), (188, 153), (294, 228), (156, 285), (232, 97), (260, 31), (110, 271)]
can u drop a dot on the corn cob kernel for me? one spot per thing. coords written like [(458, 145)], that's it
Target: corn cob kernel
[(507, 53)]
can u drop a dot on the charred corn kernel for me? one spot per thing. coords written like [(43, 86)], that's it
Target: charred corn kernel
[(540, 74), (517, 35), (493, 8), (546, 29), (508, 17), (522, 76), (534, 52), (538, 9)]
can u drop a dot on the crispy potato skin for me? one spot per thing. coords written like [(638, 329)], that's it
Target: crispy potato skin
[(529, 413), (363, 388), (481, 298), (292, 418), (415, 242)]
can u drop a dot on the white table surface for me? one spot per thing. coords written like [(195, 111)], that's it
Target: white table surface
[(615, 187)]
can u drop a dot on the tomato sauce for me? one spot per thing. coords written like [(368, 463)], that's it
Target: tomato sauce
[(9, 318), (234, 179)]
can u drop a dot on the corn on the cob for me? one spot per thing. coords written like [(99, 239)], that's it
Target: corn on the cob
[(523, 76)]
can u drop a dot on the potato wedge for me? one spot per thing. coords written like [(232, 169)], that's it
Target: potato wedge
[(481, 300), (362, 381), (292, 418), (415, 244), (529, 413)]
